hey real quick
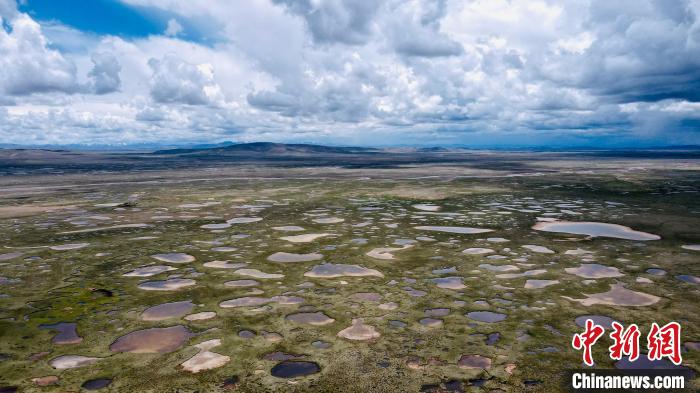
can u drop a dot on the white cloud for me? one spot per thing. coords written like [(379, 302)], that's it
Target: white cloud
[(105, 73), (28, 65), (390, 71), (8, 9), (576, 44), (174, 28), (176, 81), (330, 21)]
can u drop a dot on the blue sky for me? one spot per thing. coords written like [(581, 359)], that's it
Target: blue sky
[(112, 18), (377, 72), (104, 17)]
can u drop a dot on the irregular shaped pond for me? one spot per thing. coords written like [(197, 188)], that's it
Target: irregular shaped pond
[(67, 333), (167, 311), (289, 228), (247, 301), (461, 230), (454, 283), (200, 316), (66, 247), (72, 361), (328, 220), (216, 226), (243, 220), (498, 268), (358, 331), (306, 238), (426, 207), (287, 257), (538, 249), (224, 265), (656, 272), (538, 284), (474, 362), (205, 359), (477, 251), (493, 338), (436, 312), (294, 368), (312, 318), (241, 283), (172, 284), (329, 270), (486, 316), (594, 270), (595, 229), (618, 295), (148, 271), (154, 340), (386, 252), (430, 322), (689, 279), (224, 249), (255, 273), (10, 255), (174, 257), (528, 273), (96, 384)]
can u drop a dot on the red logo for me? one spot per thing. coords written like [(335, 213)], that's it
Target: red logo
[(662, 342), (587, 339), (625, 342), (665, 342)]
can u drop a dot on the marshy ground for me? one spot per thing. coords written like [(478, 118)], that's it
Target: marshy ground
[(341, 279)]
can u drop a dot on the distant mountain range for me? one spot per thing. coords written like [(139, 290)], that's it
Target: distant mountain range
[(55, 159), (292, 149), (269, 148)]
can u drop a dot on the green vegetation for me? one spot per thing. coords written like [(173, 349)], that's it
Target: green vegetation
[(86, 285)]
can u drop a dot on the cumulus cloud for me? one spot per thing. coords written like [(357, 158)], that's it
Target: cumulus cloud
[(153, 114), (426, 44), (329, 21), (8, 9), (105, 73), (375, 71), (345, 90), (173, 28), (28, 65), (176, 81), (650, 56), (415, 30), (275, 101)]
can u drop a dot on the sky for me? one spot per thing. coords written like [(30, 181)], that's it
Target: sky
[(491, 73)]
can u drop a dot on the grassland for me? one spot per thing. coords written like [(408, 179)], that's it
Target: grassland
[(40, 285)]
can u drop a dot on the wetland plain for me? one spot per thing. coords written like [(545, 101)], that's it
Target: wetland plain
[(381, 272)]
